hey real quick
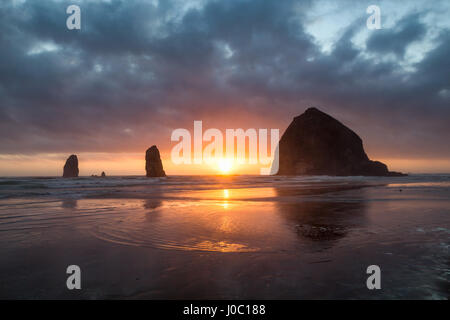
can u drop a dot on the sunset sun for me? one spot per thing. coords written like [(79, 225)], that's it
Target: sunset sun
[(225, 165)]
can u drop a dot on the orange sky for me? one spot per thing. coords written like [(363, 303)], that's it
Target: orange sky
[(134, 164)]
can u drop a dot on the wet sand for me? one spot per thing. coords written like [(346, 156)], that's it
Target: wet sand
[(230, 243)]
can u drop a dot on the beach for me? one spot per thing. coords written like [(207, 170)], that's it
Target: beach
[(225, 237)]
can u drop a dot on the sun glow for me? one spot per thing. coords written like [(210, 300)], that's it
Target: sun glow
[(225, 165)]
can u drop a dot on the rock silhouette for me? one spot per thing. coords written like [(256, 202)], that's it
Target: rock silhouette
[(103, 175), (71, 167), (153, 164), (317, 144)]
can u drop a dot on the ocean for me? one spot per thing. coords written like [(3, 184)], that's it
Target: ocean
[(225, 237)]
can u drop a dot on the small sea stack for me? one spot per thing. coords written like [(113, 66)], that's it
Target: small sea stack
[(71, 167), (153, 163), (103, 175), (317, 144)]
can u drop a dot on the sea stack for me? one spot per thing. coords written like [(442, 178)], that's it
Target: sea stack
[(71, 167), (317, 144), (153, 164)]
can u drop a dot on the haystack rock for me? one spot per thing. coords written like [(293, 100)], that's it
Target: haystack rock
[(317, 144), (153, 164), (71, 167), (103, 174)]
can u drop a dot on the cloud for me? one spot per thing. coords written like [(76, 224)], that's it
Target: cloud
[(397, 39), (139, 69)]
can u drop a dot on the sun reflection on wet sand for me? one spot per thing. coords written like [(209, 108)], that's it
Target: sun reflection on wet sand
[(263, 193), (421, 184), (223, 246), (243, 227), (226, 195)]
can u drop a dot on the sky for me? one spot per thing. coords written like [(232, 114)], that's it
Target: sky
[(137, 70)]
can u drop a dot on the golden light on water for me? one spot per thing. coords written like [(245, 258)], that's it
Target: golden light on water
[(226, 195)]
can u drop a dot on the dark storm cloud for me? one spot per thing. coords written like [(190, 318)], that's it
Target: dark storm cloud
[(136, 70), (397, 39)]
